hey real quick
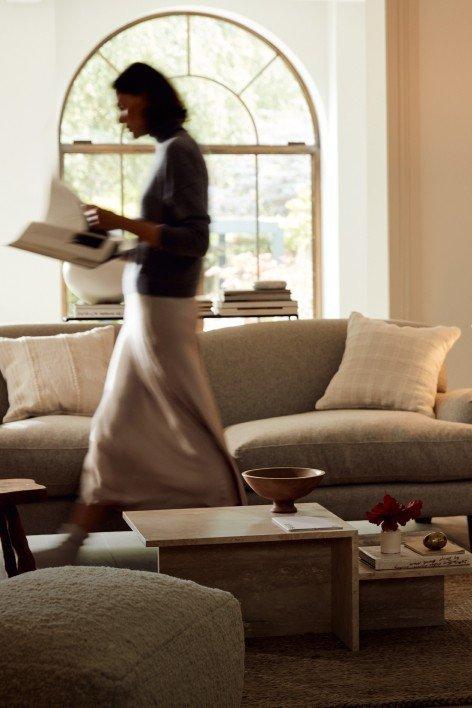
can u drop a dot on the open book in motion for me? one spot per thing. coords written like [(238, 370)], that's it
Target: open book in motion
[(64, 234)]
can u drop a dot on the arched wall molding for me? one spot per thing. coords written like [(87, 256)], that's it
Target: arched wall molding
[(314, 102)]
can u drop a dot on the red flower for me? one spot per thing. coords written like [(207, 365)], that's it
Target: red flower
[(390, 513)]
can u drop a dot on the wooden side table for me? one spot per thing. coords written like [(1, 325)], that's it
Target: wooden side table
[(16, 552)]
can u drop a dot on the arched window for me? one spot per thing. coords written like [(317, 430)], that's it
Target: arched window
[(254, 120)]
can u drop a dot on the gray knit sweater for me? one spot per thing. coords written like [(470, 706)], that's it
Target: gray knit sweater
[(177, 197)]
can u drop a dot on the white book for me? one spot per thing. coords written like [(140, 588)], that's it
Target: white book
[(232, 296), (256, 313), (104, 306), (91, 312), (298, 522), (407, 558), (240, 307), (64, 235), (270, 285), (258, 304)]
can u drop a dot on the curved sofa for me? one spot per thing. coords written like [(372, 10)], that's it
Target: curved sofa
[(267, 378)]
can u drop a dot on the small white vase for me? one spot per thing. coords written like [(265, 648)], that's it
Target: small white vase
[(391, 542)]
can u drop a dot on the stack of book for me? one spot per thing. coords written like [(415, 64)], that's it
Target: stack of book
[(204, 305), (267, 297), (113, 311), (414, 554), (102, 311)]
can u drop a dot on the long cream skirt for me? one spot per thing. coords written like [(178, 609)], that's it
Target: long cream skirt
[(156, 439)]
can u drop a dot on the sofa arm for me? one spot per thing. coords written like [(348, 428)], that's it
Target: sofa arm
[(455, 406)]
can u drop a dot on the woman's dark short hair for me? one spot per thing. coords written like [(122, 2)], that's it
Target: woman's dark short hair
[(164, 107)]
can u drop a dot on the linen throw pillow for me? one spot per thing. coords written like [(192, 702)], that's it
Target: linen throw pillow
[(59, 374), (388, 366)]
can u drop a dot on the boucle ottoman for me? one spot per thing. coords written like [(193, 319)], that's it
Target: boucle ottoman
[(112, 637)]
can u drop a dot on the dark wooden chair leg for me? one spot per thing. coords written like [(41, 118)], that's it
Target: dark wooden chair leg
[(469, 528), (25, 559), (7, 548)]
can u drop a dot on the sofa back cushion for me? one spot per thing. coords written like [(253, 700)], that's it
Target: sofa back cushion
[(273, 368), (256, 371)]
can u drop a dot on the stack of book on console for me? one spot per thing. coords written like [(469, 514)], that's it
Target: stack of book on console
[(268, 297), (415, 555), (103, 311), (204, 305)]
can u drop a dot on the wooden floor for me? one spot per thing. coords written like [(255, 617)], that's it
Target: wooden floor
[(122, 549)]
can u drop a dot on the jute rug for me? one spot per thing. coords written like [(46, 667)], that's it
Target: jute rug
[(419, 667)]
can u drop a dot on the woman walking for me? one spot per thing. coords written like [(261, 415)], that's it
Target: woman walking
[(156, 439)]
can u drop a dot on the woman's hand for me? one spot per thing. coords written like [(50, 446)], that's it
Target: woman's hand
[(101, 219)]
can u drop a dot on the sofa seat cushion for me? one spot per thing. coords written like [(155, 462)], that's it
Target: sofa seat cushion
[(49, 449), (357, 446)]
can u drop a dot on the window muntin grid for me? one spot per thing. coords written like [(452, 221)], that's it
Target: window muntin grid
[(218, 81)]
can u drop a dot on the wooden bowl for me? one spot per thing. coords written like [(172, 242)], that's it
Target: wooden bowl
[(283, 485)]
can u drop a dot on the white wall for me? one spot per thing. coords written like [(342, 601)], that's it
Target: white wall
[(444, 254), (352, 155), (433, 168), (358, 113), (327, 38), (29, 284), (377, 286)]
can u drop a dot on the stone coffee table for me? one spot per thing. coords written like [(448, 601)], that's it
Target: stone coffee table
[(402, 598), (287, 583)]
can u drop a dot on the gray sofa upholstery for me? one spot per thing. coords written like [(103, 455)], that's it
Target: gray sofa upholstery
[(266, 379)]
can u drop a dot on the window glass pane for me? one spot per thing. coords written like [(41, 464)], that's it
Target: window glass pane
[(215, 114), (136, 173), (162, 43), (285, 225), (231, 261), (95, 178), (226, 52), (90, 112), (279, 107)]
